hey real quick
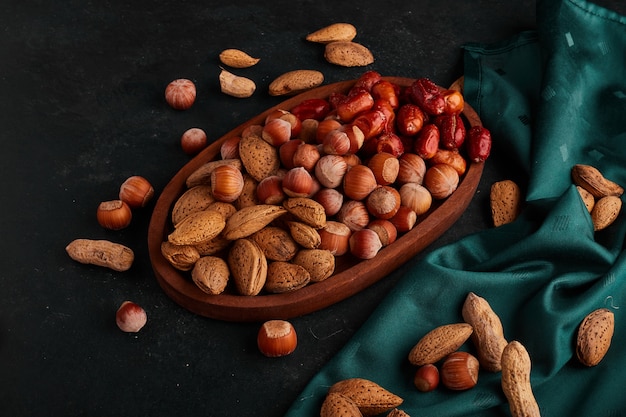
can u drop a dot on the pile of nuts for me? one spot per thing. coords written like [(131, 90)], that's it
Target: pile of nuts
[(134, 193), (438, 356), (343, 175)]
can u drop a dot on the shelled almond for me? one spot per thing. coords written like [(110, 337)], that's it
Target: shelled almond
[(304, 190)]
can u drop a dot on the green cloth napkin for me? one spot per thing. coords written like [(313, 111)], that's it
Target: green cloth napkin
[(552, 98)]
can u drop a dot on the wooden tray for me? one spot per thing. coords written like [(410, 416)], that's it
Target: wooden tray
[(351, 275)]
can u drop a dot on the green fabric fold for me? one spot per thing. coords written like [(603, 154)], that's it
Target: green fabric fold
[(552, 98)]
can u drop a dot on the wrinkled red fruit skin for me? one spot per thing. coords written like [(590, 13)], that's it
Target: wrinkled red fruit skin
[(478, 144)]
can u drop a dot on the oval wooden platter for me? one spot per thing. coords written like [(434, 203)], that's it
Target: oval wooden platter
[(351, 275)]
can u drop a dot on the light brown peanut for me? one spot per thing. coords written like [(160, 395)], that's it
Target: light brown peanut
[(488, 335), (101, 253), (516, 385)]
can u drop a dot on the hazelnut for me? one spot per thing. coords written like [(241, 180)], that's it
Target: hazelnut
[(441, 180), (277, 338), (294, 121), (286, 152), (330, 199), (193, 140), (297, 182), (276, 132), (136, 191), (416, 196), (387, 232), (459, 371), (426, 378), (330, 170), (180, 94), (404, 219), (359, 182), (324, 127), (130, 317), (306, 155), (336, 142), (270, 190), (227, 183), (114, 214), (354, 214), (385, 167), (334, 237), (412, 168), (230, 148), (365, 244), (383, 202)]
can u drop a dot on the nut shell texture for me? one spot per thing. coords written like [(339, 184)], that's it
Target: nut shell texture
[(594, 336)]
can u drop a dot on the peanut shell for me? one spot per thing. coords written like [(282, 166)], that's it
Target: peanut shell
[(348, 54), (439, 343), (594, 336), (371, 398), (515, 381), (488, 335), (101, 253)]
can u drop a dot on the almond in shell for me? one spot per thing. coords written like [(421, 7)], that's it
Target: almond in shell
[(371, 398), (285, 276), (235, 85), (211, 274), (333, 33), (181, 257), (307, 211), (295, 81), (250, 220), (439, 343), (348, 54), (197, 228), (505, 199), (592, 180), (248, 267), (259, 158), (605, 211), (319, 262), (337, 405), (276, 243), (194, 199), (237, 58), (306, 236), (594, 336)]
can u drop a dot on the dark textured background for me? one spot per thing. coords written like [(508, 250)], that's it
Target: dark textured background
[(82, 108)]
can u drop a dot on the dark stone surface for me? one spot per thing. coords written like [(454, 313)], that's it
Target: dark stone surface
[(82, 109)]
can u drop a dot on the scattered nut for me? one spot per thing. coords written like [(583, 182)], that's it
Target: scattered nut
[(594, 336), (459, 371), (515, 381), (348, 54), (101, 253), (236, 86), (130, 317), (332, 33), (506, 201), (114, 214), (294, 82), (180, 94), (193, 140), (277, 338), (237, 59), (136, 191)]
